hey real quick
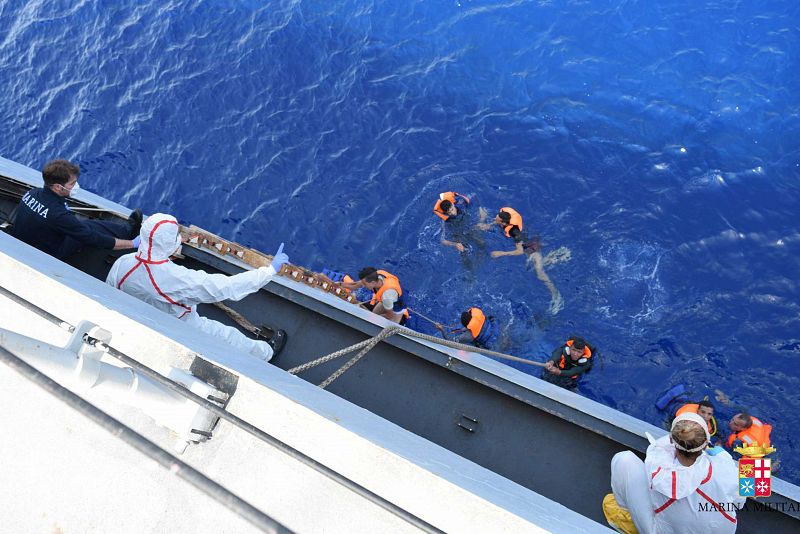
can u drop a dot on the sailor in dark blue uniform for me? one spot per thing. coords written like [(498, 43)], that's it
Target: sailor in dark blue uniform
[(44, 221)]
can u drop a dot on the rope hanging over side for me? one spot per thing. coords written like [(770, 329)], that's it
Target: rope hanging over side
[(470, 348), (329, 357), (386, 332), (368, 344)]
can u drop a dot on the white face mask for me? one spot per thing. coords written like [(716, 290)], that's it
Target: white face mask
[(71, 190), (179, 248)]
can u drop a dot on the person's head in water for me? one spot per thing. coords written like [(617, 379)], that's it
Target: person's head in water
[(448, 208), (369, 277), (740, 421), (466, 317), (689, 438), (705, 410), (503, 218), (576, 351), (61, 177)]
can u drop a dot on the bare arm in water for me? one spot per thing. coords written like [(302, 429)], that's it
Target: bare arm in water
[(482, 224), (519, 249), (516, 252), (352, 285), (458, 246)]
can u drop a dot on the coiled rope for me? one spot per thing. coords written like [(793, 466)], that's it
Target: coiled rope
[(368, 344)]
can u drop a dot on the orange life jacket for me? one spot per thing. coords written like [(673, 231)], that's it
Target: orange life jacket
[(757, 433), (587, 353), (451, 196), (516, 220), (475, 324), (693, 408), (390, 281)]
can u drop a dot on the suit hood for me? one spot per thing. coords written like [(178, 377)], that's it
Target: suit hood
[(160, 238), (670, 478)]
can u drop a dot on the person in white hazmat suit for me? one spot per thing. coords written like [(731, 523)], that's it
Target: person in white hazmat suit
[(150, 275), (680, 486)]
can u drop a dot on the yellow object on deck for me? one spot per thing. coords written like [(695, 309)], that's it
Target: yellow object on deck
[(618, 517)]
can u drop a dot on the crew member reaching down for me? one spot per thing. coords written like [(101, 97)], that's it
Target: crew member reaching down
[(150, 275), (451, 208), (747, 430), (569, 361), (387, 294), (683, 487), (43, 219)]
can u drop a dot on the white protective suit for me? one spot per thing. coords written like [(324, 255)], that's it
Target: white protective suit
[(666, 497), (151, 276)]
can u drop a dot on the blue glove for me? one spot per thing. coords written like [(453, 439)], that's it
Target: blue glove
[(279, 259), (136, 241), (713, 451)]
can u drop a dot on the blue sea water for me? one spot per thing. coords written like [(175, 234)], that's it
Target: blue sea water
[(658, 141)]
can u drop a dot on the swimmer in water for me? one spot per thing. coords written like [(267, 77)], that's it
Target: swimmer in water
[(511, 222)]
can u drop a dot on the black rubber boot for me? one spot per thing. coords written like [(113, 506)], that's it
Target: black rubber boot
[(277, 341)]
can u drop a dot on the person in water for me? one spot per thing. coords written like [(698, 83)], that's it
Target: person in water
[(510, 221), (478, 328), (569, 362), (747, 430), (43, 219), (387, 294), (703, 408), (452, 209)]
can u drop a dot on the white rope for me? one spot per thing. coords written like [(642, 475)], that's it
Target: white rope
[(368, 344)]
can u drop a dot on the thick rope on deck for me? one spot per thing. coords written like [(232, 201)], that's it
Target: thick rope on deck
[(386, 332), (240, 319), (368, 344), (332, 356)]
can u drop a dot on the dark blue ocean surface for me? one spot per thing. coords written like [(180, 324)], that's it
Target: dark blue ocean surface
[(658, 141)]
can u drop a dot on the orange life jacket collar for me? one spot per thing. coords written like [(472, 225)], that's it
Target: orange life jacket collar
[(694, 408), (451, 196), (516, 220), (757, 433), (390, 281), (475, 324), (587, 354)]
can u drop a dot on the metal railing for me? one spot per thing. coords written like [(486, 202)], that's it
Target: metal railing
[(235, 421), (174, 465)]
